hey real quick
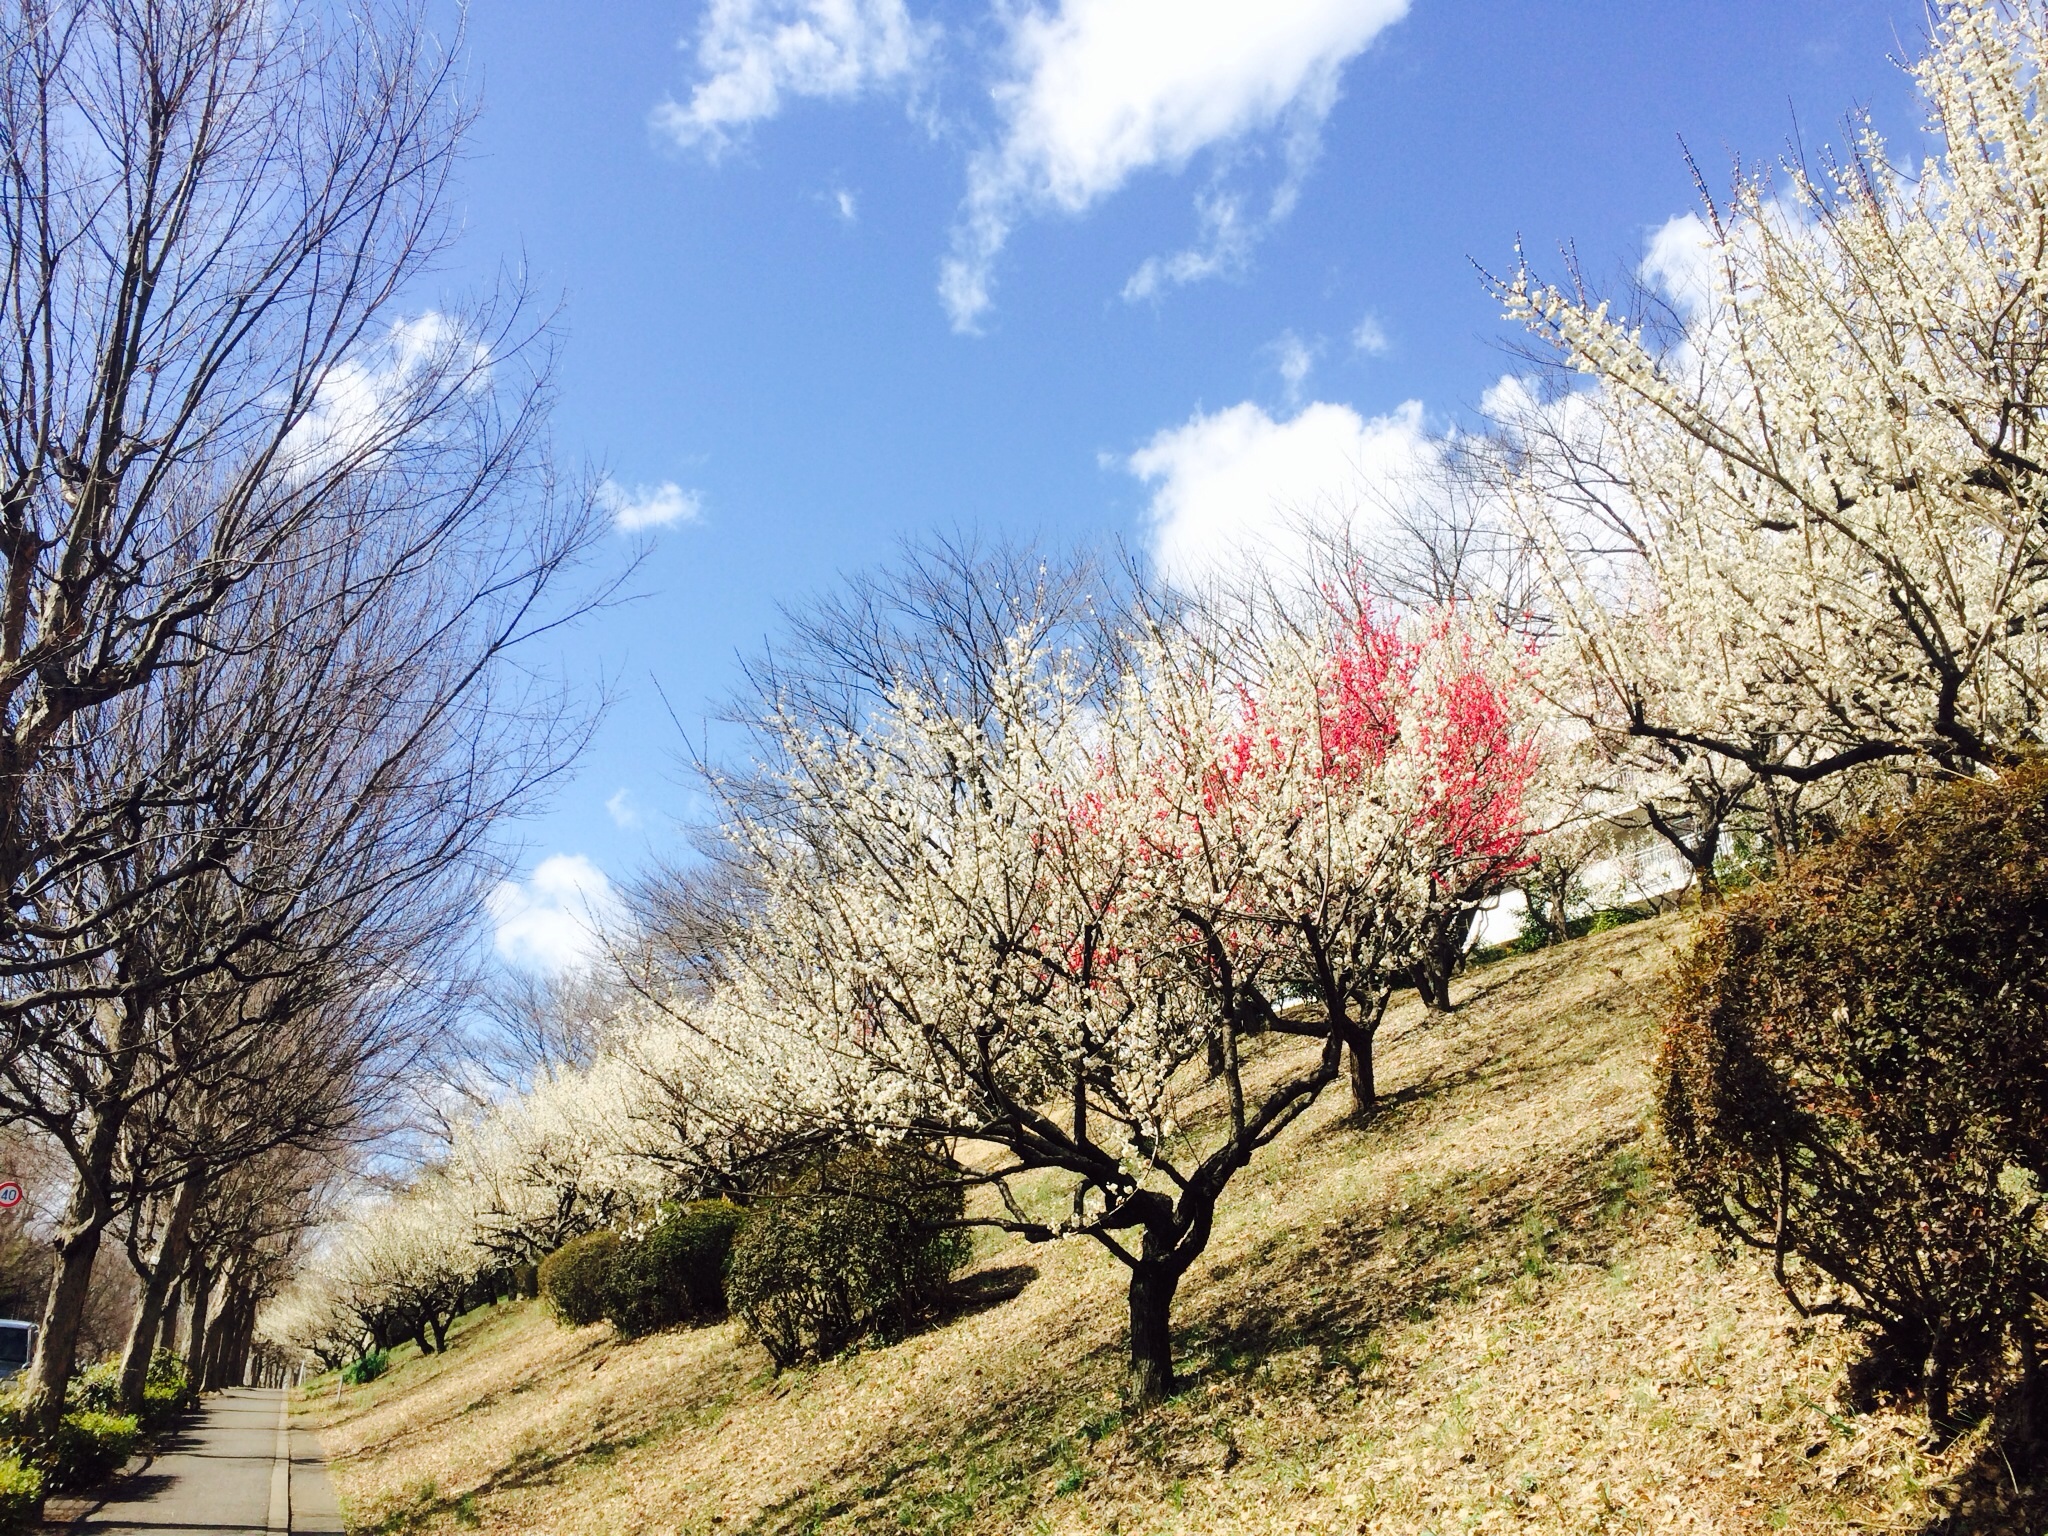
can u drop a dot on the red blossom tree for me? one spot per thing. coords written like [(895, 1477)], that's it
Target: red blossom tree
[(1026, 927)]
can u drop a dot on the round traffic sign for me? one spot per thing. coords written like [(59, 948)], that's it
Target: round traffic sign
[(10, 1194)]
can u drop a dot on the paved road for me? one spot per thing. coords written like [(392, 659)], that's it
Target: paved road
[(236, 1468)]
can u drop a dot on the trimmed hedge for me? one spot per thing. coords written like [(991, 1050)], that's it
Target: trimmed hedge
[(1855, 1080), (21, 1496), (863, 1243), (574, 1278), (166, 1391), (674, 1272)]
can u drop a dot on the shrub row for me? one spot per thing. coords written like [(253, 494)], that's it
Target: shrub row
[(88, 1447), (1855, 1080), (166, 1392), (93, 1439), (859, 1244), (673, 1272)]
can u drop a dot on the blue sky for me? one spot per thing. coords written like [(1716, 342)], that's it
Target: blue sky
[(835, 271)]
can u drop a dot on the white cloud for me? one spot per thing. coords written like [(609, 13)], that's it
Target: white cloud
[(1238, 486), (648, 506), (847, 204), (621, 809), (1296, 360), (556, 919), (364, 402), (1680, 261), (1369, 337), (1097, 91), (752, 53), (1223, 250)]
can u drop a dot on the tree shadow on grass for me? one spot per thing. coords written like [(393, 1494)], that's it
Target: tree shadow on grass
[(1404, 1262), (1378, 1263), (1331, 1292), (970, 1294), (981, 1289)]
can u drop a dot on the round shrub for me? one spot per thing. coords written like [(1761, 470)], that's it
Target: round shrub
[(87, 1449), (1855, 1080), (861, 1243), (366, 1367), (166, 1390), (674, 1272), (575, 1278), (21, 1496)]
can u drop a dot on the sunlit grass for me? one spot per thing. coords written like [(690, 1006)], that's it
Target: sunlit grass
[(1484, 1311)]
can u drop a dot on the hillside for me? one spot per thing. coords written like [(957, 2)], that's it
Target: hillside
[(1485, 1311)]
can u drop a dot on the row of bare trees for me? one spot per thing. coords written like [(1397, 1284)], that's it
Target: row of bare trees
[(276, 539)]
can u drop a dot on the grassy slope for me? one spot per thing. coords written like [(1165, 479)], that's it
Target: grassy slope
[(1483, 1312)]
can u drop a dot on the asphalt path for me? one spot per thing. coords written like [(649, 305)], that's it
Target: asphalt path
[(235, 1468)]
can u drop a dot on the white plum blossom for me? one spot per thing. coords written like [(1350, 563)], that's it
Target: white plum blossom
[(1804, 534)]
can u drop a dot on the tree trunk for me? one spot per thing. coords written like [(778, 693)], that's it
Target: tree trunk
[(167, 1336), (241, 1343), (149, 1306), (199, 1286), (246, 1343), (1435, 995), (209, 1356), (1936, 1383), (1365, 1096), (86, 1218), (220, 1354), (1152, 1287), (1440, 957), (63, 1314), (1709, 885)]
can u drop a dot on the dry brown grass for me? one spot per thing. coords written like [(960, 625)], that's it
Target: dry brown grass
[(1484, 1312)]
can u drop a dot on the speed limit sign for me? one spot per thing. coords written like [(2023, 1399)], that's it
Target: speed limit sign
[(10, 1194)]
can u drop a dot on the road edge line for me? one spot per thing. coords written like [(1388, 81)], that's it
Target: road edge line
[(280, 1515)]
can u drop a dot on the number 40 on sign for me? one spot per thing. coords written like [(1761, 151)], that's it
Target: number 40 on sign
[(10, 1194)]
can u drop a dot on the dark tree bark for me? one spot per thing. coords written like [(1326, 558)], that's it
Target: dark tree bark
[(88, 1213), (167, 1335), (152, 1315), (1442, 950), (199, 1287), (1365, 1094), (1153, 1283)]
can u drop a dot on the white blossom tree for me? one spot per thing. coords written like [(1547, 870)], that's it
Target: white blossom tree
[(1018, 925), (403, 1268), (562, 1159), (1800, 530)]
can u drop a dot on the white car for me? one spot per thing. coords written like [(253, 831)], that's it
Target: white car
[(17, 1347)]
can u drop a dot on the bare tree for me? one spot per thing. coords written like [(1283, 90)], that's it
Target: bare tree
[(207, 214), (288, 955), (268, 552)]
